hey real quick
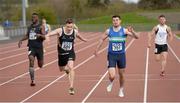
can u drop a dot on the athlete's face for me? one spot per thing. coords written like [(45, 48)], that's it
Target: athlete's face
[(34, 19), (116, 22), (43, 21), (162, 20), (69, 27)]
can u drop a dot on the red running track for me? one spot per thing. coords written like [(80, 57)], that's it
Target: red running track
[(143, 83)]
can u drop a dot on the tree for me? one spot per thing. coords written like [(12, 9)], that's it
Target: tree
[(158, 4), (107, 2), (92, 3), (75, 8), (97, 3)]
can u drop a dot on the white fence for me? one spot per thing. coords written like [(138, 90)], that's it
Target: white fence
[(12, 32), (2, 34)]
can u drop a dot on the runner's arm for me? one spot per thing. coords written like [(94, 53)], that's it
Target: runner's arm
[(130, 32), (49, 27), (80, 37), (103, 38), (42, 36), (150, 36), (20, 41), (55, 32), (170, 35)]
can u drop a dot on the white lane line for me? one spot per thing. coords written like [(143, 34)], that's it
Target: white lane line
[(146, 77), (18, 49), (44, 55), (92, 90), (151, 76), (174, 53), (51, 45), (44, 65), (60, 77), (92, 80)]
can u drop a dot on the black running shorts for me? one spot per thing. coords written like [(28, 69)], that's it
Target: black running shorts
[(160, 48), (64, 58)]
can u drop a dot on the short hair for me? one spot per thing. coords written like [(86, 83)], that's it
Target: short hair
[(116, 16), (69, 21), (160, 16), (35, 14)]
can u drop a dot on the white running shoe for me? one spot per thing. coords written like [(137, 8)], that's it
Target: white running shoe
[(121, 93), (109, 87)]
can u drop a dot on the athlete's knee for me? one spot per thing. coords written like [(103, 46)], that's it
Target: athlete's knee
[(111, 73), (111, 76), (121, 73), (157, 59), (70, 65), (61, 68), (31, 61), (121, 76), (164, 61), (40, 64), (164, 58)]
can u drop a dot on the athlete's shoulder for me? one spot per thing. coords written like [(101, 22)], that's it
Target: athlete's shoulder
[(156, 27), (58, 31), (107, 31), (75, 30), (124, 29), (167, 26)]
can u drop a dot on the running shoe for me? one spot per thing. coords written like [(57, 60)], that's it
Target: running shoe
[(121, 93), (109, 87), (162, 73), (32, 83), (71, 91)]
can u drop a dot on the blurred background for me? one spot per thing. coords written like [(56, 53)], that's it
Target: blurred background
[(89, 15)]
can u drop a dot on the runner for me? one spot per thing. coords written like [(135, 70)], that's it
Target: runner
[(116, 52), (66, 54), (47, 28), (161, 33), (35, 36)]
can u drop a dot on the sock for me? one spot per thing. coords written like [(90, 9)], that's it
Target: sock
[(121, 89), (31, 72)]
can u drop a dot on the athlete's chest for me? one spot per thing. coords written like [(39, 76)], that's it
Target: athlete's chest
[(162, 32), (67, 38)]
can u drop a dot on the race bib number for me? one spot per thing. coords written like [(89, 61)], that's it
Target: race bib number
[(66, 45), (32, 36), (116, 46)]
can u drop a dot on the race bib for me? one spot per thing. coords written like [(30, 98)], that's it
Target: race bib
[(66, 45), (116, 46), (32, 36)]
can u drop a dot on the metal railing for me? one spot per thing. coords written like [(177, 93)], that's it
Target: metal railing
[(19, 31)]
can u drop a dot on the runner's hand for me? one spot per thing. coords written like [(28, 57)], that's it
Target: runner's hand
[(130, 29), (19, 43), (85, 40), (38, 35)]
